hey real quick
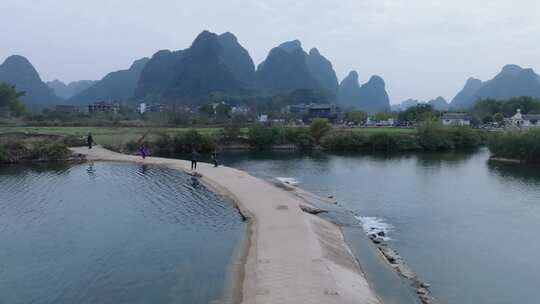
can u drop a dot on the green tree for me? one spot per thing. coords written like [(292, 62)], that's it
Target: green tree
[(498, 117), (207, 110), (358, 117), (380, 116), (319, 127), (223, 111), (419, 113), (9, 100)]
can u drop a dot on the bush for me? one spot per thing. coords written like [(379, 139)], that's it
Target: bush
[(523, 146), (231, 132), (345, 141), (74, 141), (433, 137), (380, 142), (192, 139), (261, 137), (42, 150), (464, 137), (4, 154), (319, 127)]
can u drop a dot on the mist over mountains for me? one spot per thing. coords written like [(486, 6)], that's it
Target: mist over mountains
[(71, 89), (512, 81), (17, 70), (219, 64), (212, 64)]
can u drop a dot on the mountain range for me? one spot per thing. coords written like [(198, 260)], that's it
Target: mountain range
[(17, 70), (370, 97), (71, 89), (512, 81), (438, 104)]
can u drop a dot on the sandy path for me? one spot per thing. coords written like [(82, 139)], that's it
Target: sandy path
[(293, 257)]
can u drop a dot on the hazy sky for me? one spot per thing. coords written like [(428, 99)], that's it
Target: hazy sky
[(422, 48)]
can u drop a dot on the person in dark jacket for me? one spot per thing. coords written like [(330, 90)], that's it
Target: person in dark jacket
[(89, 140), (214, 158), (194, 159)]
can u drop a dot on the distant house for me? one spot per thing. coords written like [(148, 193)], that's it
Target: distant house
[(459, 119), (151, 108), (66, 109), (263, 118), (103, 107), (240, 110), (327, 111), (297, 109), (525, 120)]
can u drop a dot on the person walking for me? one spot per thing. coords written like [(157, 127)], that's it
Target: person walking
[(194, 159), (89, 140), (214, 158), (142, 151)]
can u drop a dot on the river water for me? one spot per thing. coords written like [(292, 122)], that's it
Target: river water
[(112, 233), (468, 227)]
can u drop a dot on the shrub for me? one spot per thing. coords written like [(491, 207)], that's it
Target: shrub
[(319, 127), (261, 137), (4, 154), (41, 150), (192, 139), (524, 146), (74, 141), (345, 141), (433, 137), (464, 137), (231, 132)]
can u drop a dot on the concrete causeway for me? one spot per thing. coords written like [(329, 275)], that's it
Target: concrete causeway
[(292, 257)]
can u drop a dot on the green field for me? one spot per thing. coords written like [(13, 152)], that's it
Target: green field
[(104, 135), (384, 130), (122, 135)]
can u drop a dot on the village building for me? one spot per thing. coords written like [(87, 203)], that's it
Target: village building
[(525, 120), (151, 108), (66, 109), (103, 107), (458, 119), (328, 111)]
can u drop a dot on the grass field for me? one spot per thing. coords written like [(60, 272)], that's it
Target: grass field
[(122, 135), (385, 130), (103, 135)]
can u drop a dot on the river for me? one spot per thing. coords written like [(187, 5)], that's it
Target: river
[(466, 226), (112, 233)]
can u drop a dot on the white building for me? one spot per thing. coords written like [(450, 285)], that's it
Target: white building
[(263, 118), (525, 120), (458, 119)]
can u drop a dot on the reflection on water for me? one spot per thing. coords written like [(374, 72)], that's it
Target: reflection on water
[(466, 226), (112, 233)]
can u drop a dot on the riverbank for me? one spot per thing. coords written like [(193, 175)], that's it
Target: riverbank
[(292, 256)]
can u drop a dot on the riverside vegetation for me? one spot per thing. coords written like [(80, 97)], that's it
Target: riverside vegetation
[(319, 135), (518, 145), (16, 148)]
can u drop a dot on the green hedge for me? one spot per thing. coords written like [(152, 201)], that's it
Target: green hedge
[(523, 146), (14, 152)]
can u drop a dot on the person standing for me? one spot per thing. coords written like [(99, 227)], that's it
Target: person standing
[(89, 140), (214, 158), (194, 159), (142, 151)]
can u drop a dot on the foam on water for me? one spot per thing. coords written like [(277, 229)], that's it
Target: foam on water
[(374, 225), (288, 180)]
